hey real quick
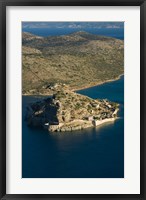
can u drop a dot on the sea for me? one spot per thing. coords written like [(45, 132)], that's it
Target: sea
[(44, 32), (89, 153)]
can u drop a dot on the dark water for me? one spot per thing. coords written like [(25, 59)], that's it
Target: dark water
[(91, 153), (111, 32)]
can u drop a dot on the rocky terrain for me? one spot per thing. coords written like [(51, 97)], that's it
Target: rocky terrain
[(78, 60), (69, 111)]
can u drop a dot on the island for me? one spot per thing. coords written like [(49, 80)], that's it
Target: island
[(66, 110)]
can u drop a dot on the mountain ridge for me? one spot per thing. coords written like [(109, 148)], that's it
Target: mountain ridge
[(99, 25)]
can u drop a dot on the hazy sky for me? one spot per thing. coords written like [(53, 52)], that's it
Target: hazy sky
[(73, 24)]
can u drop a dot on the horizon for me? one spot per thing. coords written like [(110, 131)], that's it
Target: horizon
[(47, 32), (73, 25)]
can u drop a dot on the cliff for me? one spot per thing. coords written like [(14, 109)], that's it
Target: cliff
[(69, 111)]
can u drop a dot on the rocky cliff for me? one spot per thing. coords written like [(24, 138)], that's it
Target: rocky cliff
[(68, 111)]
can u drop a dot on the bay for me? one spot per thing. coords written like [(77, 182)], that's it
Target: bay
[(90, 153)]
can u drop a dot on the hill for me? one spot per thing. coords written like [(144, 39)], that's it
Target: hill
[(79, 60)]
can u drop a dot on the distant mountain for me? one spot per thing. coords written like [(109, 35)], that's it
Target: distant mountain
[(79, 60), (73, 24)]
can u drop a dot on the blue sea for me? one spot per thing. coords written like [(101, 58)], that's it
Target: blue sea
[(111, 32), (89, 153)]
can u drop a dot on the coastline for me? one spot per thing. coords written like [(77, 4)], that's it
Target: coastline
[(105, 121), (80, 88), (97, 84), (81, 126)]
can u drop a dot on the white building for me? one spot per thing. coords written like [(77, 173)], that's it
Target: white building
[(90, 118)]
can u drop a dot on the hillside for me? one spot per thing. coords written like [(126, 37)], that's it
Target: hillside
[(79, 60)]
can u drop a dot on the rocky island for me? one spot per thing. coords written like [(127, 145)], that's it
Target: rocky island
[(69, 111)]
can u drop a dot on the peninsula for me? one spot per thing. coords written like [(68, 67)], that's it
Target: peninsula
[(79, 60), (68, 111)]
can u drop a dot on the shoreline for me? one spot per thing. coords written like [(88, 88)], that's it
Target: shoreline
[(100, 83), (81, 88), (105, 121), (80, 126)]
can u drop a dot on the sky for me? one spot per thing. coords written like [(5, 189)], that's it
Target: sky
[(73, 25)]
